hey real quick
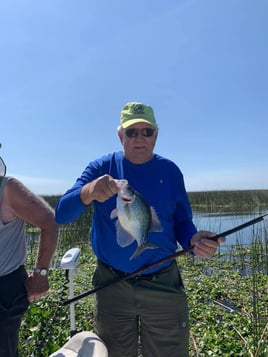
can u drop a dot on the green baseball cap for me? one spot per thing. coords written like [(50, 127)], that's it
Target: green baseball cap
[(135, 112)]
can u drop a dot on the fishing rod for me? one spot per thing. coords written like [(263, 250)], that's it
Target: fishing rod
[(164, 260)]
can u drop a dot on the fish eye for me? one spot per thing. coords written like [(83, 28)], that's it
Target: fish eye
[(130, 189)]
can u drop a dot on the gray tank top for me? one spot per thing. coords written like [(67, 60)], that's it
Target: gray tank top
[(12, 241)]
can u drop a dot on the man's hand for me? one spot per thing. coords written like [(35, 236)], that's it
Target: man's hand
[(100, 189), (203, 247), (36, 286)]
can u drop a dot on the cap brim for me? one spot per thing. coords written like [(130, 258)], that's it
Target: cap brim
[(134, 121)]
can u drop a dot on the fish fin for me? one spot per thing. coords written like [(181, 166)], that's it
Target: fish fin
[(114, 213), (127, 211), (155, 223), (123, 238), (142, 248)]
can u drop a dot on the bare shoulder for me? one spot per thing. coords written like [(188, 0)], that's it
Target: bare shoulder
[(17, 192), (26, 204)]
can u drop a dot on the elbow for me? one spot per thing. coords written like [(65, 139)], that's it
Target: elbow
[(60, 219)]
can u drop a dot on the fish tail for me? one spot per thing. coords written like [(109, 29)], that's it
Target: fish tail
[(142, 248)]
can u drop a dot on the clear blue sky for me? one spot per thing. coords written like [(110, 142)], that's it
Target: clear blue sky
[(68, 67)]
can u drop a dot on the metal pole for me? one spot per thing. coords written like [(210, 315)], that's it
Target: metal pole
[(69, 262), (71, 295)]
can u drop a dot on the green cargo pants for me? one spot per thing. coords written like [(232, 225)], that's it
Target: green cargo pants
[(152, 310)]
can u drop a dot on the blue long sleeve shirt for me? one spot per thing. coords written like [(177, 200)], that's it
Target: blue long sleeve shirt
[(161, 184)]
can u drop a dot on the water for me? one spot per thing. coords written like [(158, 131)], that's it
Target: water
[(218, 222)]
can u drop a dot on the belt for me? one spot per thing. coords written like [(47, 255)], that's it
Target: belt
[(151, 276)]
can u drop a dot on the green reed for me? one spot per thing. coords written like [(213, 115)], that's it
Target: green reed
[(232, 200), (228, 297)]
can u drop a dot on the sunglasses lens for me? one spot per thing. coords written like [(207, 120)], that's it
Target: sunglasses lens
[(147, 132), (133, 133)]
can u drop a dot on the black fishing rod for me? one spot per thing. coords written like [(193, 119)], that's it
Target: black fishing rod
[(164, 260)]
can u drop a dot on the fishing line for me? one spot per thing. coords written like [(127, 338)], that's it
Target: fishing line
[(164, 260)]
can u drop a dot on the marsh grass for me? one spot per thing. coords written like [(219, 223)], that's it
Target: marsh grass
[(228, 298), (227, 295), (235, 201)]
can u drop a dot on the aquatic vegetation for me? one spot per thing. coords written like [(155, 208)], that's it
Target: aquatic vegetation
[(228, 298)]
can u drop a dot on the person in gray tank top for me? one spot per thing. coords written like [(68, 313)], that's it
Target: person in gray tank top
[(17, 206)]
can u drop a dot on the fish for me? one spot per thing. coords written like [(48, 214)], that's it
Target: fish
[(135, 219)]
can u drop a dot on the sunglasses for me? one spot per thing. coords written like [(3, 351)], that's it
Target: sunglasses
[(133, 133)]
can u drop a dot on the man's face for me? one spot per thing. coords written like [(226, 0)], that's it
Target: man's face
[(138, 141)]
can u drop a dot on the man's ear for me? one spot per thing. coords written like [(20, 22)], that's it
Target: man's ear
[(120, 135)]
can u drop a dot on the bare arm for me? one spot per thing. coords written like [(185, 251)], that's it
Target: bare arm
[(34, 210)]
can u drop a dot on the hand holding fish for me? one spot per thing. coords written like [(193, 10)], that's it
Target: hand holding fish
[(204, 247), (100, 189)]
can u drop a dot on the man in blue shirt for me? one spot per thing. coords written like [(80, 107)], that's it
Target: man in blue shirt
[(151, 308)]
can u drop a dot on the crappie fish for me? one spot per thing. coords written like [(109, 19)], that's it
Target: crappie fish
[(135, 219)]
